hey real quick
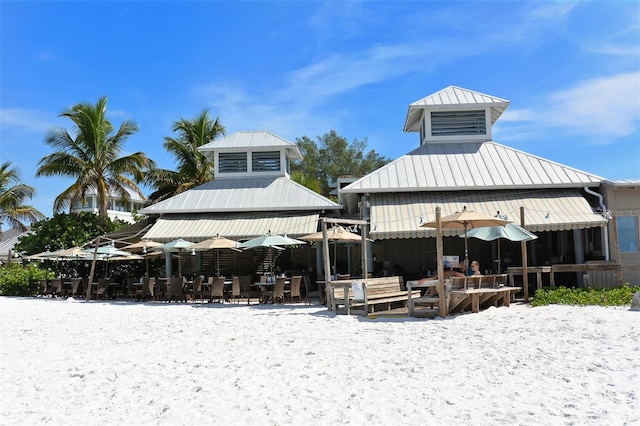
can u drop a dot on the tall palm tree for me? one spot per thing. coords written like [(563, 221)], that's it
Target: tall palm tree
[(92, 155), (13, 197), (193, 167)]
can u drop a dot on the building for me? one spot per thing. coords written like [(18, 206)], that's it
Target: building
[(457, 164), (252, 194), (117, 208)]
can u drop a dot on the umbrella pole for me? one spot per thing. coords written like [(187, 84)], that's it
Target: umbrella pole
[(218, 261)]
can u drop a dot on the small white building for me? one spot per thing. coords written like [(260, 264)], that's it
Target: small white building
[(116, 207)]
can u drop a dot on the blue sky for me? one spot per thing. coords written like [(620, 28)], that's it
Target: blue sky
[(570, 69)]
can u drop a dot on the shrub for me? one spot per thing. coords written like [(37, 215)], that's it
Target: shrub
[(14, 278), (585, 296)]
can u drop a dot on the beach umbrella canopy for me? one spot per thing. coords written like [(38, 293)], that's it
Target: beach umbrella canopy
[(271, 241), (73, 253), (510, 231), (466, 219), (175, 246), (336, 234), (107, 251), (216, 243), (142, 245)]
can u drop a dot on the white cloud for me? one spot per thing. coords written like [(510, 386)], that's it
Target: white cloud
[(26, 119), (604, 108)]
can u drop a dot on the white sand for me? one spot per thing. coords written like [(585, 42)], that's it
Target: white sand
[(73, 362)]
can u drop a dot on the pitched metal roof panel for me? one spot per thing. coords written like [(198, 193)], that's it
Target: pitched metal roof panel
[(237, 226), (399, 215), (252, 140), (478, 165), (453, 97), (244, 194)]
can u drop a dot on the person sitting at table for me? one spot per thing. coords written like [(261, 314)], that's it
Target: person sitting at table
[(475, 268), (448, 273)]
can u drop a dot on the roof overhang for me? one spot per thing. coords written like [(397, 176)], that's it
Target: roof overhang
[(237, 226), (398, 215)]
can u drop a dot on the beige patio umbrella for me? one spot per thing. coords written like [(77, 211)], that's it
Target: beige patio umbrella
[(466, 219), (216, 243), (144, 246), (337, 234)]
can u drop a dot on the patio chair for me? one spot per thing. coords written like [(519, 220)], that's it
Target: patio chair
[(217, 290), (197, 289), (309, 293), (146, 290), (43, 288), (247, 291), (277, 294), (176, 289), (56, 289), (296, 281), (103, 287), (75, 287), (235, 292)]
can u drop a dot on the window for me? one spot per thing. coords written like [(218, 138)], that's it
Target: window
[(456, 123), (232, 162), (265, 161), (628, 233), (85, 203)]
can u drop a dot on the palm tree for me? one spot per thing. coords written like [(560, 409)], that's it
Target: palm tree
[(13, 196), (92, 155), (193, 167)]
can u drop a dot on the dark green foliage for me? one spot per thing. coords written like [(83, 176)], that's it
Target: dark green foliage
[(334, 157), (65, 231), (14, 278), (585, 296)]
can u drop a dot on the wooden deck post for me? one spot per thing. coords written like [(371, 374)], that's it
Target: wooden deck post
[(525, 273)]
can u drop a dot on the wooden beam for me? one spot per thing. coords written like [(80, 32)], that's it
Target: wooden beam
[(525, 273)]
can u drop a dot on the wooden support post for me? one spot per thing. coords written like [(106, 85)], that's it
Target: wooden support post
[(440, 255), (525, 273)]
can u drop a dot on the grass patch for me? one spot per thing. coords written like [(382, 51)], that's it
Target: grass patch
[(585, 296)]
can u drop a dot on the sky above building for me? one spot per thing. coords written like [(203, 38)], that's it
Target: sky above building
[(303, 68)]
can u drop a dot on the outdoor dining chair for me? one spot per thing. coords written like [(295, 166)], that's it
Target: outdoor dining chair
[(57, 287), (103, 287), (234, 294), (217, 290), (309, 293), (176, 289), (75, 287), (296, 281), (277, 294)]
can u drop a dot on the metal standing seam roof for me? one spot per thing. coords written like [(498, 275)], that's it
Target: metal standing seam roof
[(399, 215), (244, 194), (251, 141), (470, 165), (237, 226), (453, 97)]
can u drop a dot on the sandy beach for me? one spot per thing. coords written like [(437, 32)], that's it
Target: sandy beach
[(103, 363)]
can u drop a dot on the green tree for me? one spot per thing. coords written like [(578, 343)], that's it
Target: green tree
[(92, 155), (334, 158), (13, 198), (66, 230), (193, 167)]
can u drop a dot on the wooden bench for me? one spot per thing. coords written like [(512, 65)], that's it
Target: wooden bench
[(477, 298), (375, 293), (430, 300)]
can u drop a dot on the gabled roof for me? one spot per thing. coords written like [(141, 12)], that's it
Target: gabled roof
[(470, 166), (453, 97), (251, 141), (244, 194)]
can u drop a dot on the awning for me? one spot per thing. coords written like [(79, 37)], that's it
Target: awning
[(398, 215), (239, 226)]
